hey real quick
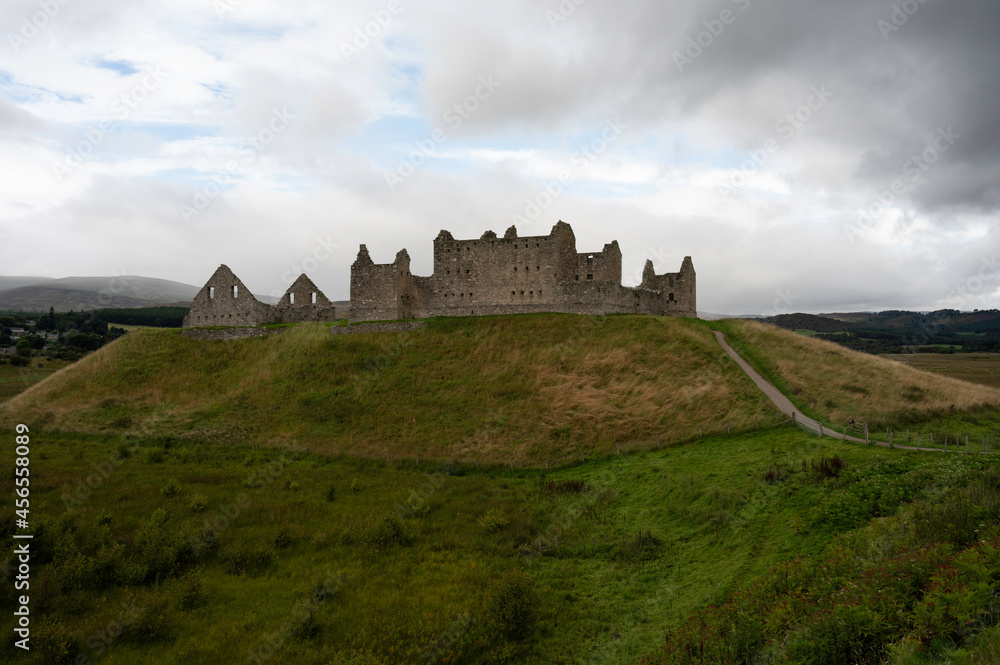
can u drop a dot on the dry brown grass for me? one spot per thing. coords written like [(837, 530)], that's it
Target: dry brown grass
[(842, 384), (528, 388)]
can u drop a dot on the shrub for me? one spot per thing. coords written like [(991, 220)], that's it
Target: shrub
[(493, 520), (54, 642), (331, 493), (510, 606), (192, 594), (199, 502), (355, 485), (171, 489), (283, 538), (149, 625), (383, 534)]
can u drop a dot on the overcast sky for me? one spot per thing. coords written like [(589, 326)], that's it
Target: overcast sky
[(809, 155)]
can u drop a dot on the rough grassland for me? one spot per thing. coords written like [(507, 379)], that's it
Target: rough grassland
[(838, 384), (529, 388), (652, 537)]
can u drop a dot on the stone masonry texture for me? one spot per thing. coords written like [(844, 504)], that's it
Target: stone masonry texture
[(510, 275), (225, 301)]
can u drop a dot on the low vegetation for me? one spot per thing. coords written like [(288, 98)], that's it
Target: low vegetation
[(837, 385), (525, 388)]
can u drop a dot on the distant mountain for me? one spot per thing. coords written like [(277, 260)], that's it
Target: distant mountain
[(16, 282), (37, 294)]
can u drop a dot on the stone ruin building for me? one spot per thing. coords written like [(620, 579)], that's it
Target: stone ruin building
[(225, 301), (511, 275)]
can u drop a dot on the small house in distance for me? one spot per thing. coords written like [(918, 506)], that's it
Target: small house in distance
[(226, 301)]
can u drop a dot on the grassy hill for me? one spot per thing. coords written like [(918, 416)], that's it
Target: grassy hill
[(165, 534), (528, 388), (836, 384)]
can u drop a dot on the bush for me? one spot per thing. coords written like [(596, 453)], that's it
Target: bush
[(382, 535), (171, 489), (355, 485), (493, 520), (510, 606), (149, 625), (331, 493), (192, 594), (199, 502), (283, 538)]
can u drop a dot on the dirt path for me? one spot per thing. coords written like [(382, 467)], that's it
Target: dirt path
[(785, 405)]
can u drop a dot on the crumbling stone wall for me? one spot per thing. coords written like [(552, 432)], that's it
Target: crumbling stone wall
[(226, 301), (509, 275), (303, 301)]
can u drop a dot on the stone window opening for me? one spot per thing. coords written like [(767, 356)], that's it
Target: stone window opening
[(447, 272), (531, 293), (314, 298), (513, 293), (577, 277), (466, 272), (470, 295), (211, 292), (461, 295), (537, 245), (235, 291), (671, 297), (537, 268), (590, 277), (527, 268), (522, 293), (515, 268), (291, 298)]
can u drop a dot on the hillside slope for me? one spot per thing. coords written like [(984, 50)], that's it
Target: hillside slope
[(76, 293), (531, 388), (840, 384)]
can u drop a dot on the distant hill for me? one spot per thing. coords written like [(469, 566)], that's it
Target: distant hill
[(17, 282), (897, 331), (808, 322), (38, 294)]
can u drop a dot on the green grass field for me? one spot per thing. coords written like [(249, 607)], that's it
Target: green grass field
[(207, 502), (653, 537), (15, 380)]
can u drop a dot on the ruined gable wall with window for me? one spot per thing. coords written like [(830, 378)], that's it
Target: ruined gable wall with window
[(510, 275), (226, 301)]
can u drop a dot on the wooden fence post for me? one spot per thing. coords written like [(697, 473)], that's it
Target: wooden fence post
[(820, 429), (890, 439), (918, 441), (728, 431), (699, 432), (866, 435), (966, 444)]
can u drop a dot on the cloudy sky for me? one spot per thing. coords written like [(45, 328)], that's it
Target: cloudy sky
[(809, 155)]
